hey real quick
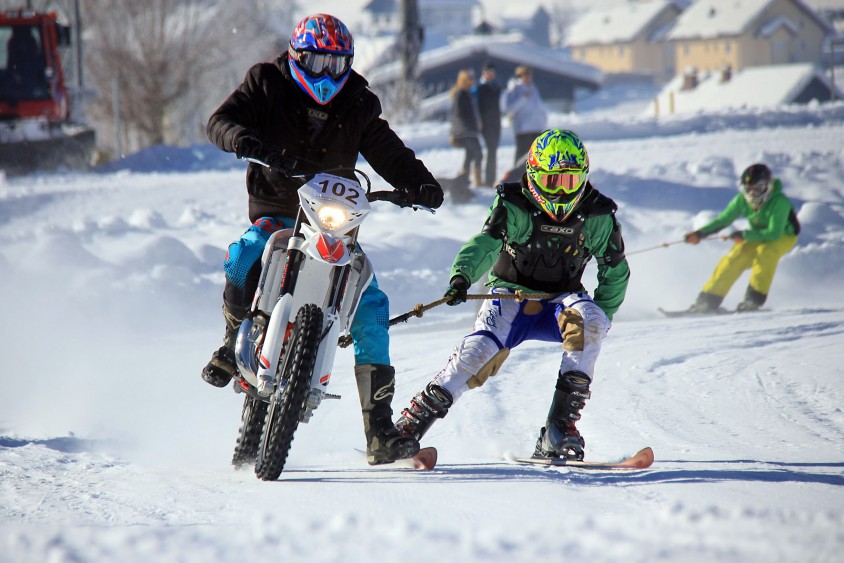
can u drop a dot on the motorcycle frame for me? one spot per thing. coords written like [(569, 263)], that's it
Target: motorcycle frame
[(293, 275)]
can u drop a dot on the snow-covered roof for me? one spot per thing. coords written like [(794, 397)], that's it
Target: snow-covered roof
[(719, 18), (511, 47), (616, 25), (752, 87)]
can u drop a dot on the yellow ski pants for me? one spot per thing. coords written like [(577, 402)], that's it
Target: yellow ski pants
[(762, 259)]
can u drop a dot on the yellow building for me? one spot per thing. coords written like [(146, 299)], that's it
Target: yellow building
[(628, 39), (718, 34)]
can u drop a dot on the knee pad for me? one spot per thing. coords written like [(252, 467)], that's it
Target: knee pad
[(582, 323), (474, 360)]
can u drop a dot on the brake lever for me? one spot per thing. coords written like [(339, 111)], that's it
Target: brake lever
[(255, 160), (417, 207)]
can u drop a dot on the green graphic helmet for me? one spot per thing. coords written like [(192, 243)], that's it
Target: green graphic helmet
[(557, 168)]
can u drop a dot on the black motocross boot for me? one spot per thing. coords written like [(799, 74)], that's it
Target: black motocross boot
[(753, 300), (426, 407), (560, 437), (384, 444), (222, 366)]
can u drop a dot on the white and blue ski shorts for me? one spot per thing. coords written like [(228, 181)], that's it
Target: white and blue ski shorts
[(571, 319)]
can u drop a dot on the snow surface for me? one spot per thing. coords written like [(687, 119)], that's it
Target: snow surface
[(112, 448)]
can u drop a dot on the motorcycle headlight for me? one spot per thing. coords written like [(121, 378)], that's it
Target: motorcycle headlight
[(332, 218)]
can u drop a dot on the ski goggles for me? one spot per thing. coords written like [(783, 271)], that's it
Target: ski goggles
[(565, 181), (755, 189), (320, 64)]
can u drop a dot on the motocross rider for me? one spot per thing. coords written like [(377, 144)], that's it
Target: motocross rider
[(305, 112), (538, 236)]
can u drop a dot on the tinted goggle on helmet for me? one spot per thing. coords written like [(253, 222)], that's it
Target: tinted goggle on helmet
[(321, 64), (756, 189), (560, 184)]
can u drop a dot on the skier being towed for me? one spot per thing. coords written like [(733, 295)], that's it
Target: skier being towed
[(538, 236)]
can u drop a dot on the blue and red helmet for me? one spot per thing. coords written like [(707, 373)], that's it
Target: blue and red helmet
[(320, 56)]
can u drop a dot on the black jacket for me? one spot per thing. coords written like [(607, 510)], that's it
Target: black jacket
[(465, 120), (270, 105), (489, 105)]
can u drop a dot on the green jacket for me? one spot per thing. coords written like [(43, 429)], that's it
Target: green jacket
[(477, 256), (775, 219)]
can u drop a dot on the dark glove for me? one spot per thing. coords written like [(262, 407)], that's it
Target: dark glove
[(249, 146), (736, 237), (429, 195), (458, 288)]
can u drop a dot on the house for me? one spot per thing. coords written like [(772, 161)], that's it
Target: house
[(440, 19), (536, 27), (753, 87), (556, 76), (714, 34), (627, 40)]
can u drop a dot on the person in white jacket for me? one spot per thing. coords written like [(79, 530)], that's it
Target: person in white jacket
[(526, 111)]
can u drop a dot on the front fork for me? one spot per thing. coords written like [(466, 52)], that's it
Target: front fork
[(345, 287)]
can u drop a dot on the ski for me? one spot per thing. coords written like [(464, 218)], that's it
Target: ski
[(687, 313), (719, 311), (424, 460), (643, 459)]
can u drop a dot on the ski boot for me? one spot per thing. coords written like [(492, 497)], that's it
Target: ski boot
[(753, 300), (425, 408), (384, 443), (222, 366), (706, 303), (560, 437)]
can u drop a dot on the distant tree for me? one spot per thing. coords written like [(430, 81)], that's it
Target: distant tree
[(561, 16), (169, 58), (401, 101)]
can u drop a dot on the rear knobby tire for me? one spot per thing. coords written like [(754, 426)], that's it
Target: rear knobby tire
[(287, 407), (251, 425)]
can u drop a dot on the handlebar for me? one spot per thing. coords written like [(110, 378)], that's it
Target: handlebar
[(393, 196), (396, 198)]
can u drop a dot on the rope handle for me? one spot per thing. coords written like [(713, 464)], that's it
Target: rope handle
[(417, 311)]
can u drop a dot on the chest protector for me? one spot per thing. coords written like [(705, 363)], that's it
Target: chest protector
[(554, 256)]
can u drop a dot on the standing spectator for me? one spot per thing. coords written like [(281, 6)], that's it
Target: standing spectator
[(526, 110), (489, 105), (466, 125)]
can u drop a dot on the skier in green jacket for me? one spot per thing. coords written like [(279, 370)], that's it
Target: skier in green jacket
[(538, 236), (773, 232)]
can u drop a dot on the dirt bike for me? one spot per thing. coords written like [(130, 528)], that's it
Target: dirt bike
[(312, 278)]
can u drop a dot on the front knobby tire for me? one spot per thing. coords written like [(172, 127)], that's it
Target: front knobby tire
[(249, 438), (286, 408)]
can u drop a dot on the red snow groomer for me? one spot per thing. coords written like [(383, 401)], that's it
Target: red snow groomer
[(36, 130)]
